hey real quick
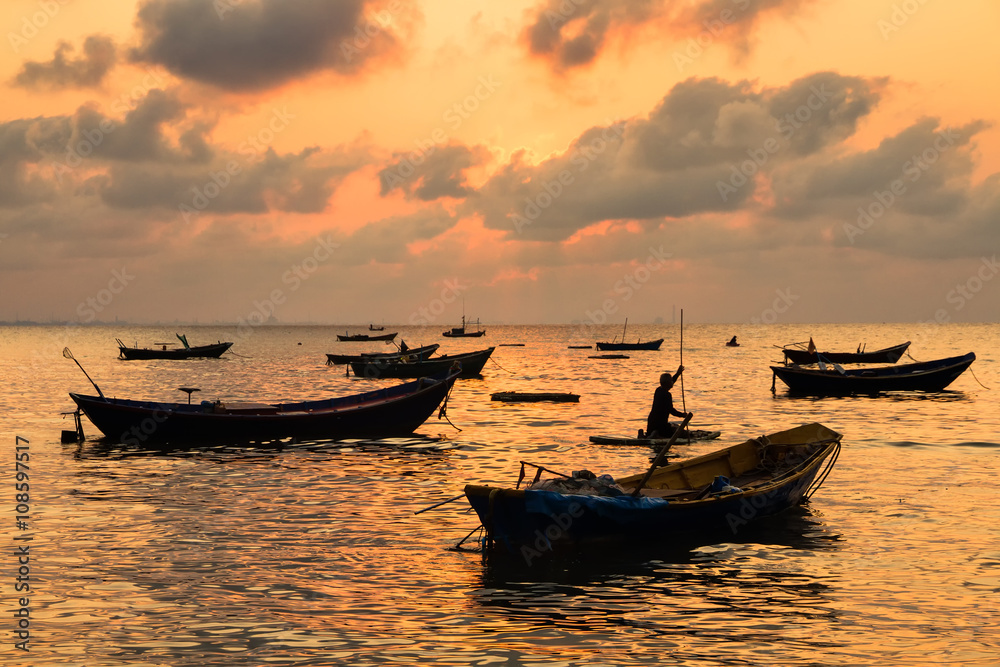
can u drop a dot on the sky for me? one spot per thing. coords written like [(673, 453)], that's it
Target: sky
[(544, 161)]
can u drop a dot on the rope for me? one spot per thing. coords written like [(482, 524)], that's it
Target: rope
[(443, 412), (243, 356), (500, 367), (977, 379)]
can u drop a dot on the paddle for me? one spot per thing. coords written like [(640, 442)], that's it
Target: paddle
[(69, 355), (663, 452)]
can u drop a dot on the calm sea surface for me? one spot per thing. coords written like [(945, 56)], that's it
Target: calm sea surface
[(312, 555)]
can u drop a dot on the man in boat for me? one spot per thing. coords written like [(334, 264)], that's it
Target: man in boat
[(732, 342), (658, 423)]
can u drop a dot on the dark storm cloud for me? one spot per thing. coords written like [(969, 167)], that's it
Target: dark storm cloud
[(678, 161), (572, 33), (63, 71), (24, 143), (441, 173), (253, 45)]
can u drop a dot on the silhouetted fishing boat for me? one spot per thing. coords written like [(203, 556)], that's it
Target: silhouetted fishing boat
[(372, 327), (638, 345), (463, 332), (712, 495), (471, 364), (355, 338), (888, 355), (163, 352), (385, 412), (413, 353), (926, 376), (534, 397), (687, 434)]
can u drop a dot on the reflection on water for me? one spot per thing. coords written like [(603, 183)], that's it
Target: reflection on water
[(311, 554)]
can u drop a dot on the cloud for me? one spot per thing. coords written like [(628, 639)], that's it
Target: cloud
[(441, 173), (573, 33), (386, 241), (672, 163), (99, 57), (261, 44)]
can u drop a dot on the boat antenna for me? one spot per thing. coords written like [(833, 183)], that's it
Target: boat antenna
[(69, 355)]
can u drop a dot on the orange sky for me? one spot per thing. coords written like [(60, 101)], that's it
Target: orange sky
[(304, 128)]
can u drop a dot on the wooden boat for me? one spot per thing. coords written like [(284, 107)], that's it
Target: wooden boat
[(372, 327), (926, 376), (638, 345), (470, 363), (354, 338), (413, 353), (386, 412), (732, 342), (608, 356), (689, 434), (711, 495), (463, 332), (214, 350), (888, 355), (581, 347), (533, 397)]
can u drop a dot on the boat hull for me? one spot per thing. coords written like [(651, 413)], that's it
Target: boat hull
[(358, 338), (648, 345), (388, 412), (416, 354), (471, 365), (198, 352), (889, 355), (926, 376), (531, 522)]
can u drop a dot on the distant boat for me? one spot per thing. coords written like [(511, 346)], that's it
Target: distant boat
[(701, 497), (732, 342), (926, 376), (608, 356), (214, 350), (386, 412), (372, 327), (533, 397), (888, 355), (638, 345), (463, 332), (355, 338), (413, 353), (471, 364)]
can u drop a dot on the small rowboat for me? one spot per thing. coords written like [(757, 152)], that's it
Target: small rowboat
[(382, 413), (356, 338), (926, 376), (532, 397), (414, 354), (470, 363), (691, 434), (608, 356), (213, 351), (707, 497), (888, 355)]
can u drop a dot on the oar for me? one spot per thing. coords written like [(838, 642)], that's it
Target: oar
[(663, 452), (69, 355), (443, 502)]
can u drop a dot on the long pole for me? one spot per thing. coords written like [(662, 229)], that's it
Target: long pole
[(659, 457), (683, 403)]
